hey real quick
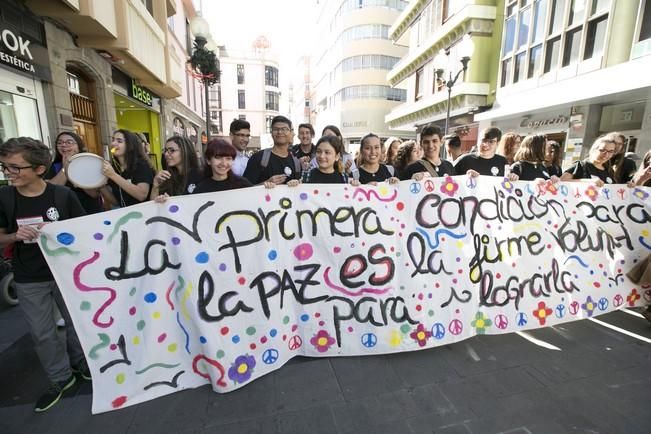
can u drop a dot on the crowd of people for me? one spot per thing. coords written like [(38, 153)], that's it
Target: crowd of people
[(36, 194)]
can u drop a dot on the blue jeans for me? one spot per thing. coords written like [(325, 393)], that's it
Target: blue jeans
[(56, 352)]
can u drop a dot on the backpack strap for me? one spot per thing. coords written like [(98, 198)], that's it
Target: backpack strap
[(432, 171), (297, 165), (266, 155)]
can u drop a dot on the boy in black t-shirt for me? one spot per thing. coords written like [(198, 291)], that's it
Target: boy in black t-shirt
[(280, 165), (485, 161), (25, 206)]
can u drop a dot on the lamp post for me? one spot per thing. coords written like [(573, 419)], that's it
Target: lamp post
[(204, 62), (465, 49)]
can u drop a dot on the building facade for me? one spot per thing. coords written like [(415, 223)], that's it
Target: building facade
[(248, 90), (351, 61), (301, 93), (574, 70), (433, 27)]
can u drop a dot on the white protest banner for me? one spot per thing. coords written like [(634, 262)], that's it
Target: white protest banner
[(223, 288)]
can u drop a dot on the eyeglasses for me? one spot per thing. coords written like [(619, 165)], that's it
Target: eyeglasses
[(66, 142), (490, 141), (14, 170), (606, 151), (281, 130), (170, 150), (242, 135)]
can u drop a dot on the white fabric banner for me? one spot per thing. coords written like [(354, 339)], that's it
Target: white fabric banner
[(223, 288)]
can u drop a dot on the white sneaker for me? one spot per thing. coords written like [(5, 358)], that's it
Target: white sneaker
[(61, 322)]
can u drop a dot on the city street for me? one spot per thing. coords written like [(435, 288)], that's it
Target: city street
[(579, 377)]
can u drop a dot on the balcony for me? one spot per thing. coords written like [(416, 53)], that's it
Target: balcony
[(95, 18)]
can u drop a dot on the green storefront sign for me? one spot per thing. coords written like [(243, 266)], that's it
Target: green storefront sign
[(140, 93)]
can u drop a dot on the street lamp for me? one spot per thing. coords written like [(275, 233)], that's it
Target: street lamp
[(204, 62), (465, 49)]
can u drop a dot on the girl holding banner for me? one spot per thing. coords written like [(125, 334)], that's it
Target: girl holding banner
[(371, 171), (596, 166), (180, 174), (218, 176)]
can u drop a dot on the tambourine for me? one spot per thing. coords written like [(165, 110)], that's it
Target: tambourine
[(84, 170)]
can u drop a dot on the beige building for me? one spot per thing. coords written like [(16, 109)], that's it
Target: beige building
[(351, 62), (573, 70)]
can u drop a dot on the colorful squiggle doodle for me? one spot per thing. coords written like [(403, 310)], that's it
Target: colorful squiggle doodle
[(195, 367), (368, 193), (579, 260), (56, 252), (112, 293), (174, 383), (104, 342), (167, 295), (123, 220), (157, 365), (437, 235), (185, 332)]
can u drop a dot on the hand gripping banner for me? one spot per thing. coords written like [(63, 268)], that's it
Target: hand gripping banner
[(223, 288)]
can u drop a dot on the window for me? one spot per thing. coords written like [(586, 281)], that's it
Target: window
[(149, 6), (558, 10), (553, 53), (577, 11), (240, 73), (599, 6), (572, 46), (645, 27), (452, 7), (370, 92), (539, 14), (241, 99), (272, 101), (519, 67), (271, 76), (241, 117), (267, 121), (509, 35), (213, 115), (506, 71), (594, 44), (420, 83), (535, 61), (523, 30)]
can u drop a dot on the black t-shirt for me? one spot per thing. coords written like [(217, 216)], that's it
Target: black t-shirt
[(527, 171), (91, 204), (136, 175), (445, 168), (209, 185), (586, 170), (277, 166), (315, 176), (382, 174), (484, 166), (628, 170), (28, 262), (194, 178), (298, 152), (554, 170)]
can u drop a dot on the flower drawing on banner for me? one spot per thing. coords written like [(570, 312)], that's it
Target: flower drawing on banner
[(421, 335), (241, 370), (481, 323), (507, 185), (592, 193), (551, 187), (542, 312), (632, 297), (322, 341), (589, 305), (640, 194), (449, 187)]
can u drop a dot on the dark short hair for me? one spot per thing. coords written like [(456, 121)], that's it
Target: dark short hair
[(279, 119), (452, 140), (431, 130), (369, 136), (35, 152), (217, 148), (239, 124), (337, 144), (491, 133), (308, 126)]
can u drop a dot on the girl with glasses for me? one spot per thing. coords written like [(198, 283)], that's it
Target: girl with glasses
[(67, 145), (596, 167), (180, 174)]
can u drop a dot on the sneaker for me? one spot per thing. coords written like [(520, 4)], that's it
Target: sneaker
[(82, 370), (53, 394)]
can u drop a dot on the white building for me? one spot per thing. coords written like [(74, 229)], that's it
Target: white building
[(351, 61), (301, 92), (248, 89), (574, 70)]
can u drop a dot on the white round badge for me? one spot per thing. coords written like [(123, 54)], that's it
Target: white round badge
[(288, 171), (495, 170), (609, 180)]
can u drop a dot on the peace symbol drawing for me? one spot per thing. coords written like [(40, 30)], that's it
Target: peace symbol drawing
[(455, 327), (618, 300), (438, 330), (270, 356), (522, 319), (560, 311), (414, 187), (501, 322), (369, 340), (295, 343), (429, 186), (603, 303)]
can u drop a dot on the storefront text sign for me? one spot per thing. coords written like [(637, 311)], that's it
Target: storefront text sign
[(528, 122), (223, 288), (140, 94), (21, 53)]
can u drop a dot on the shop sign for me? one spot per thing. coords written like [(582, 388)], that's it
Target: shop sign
[(140, 93), (178, 127), (527, 122), (355, 124), (24, 54)]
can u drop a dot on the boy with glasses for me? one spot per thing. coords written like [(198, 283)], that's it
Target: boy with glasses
[(25, 206), (240, 136), (275, 165)]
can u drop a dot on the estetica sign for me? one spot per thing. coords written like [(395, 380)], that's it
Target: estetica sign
[(22, 53)]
